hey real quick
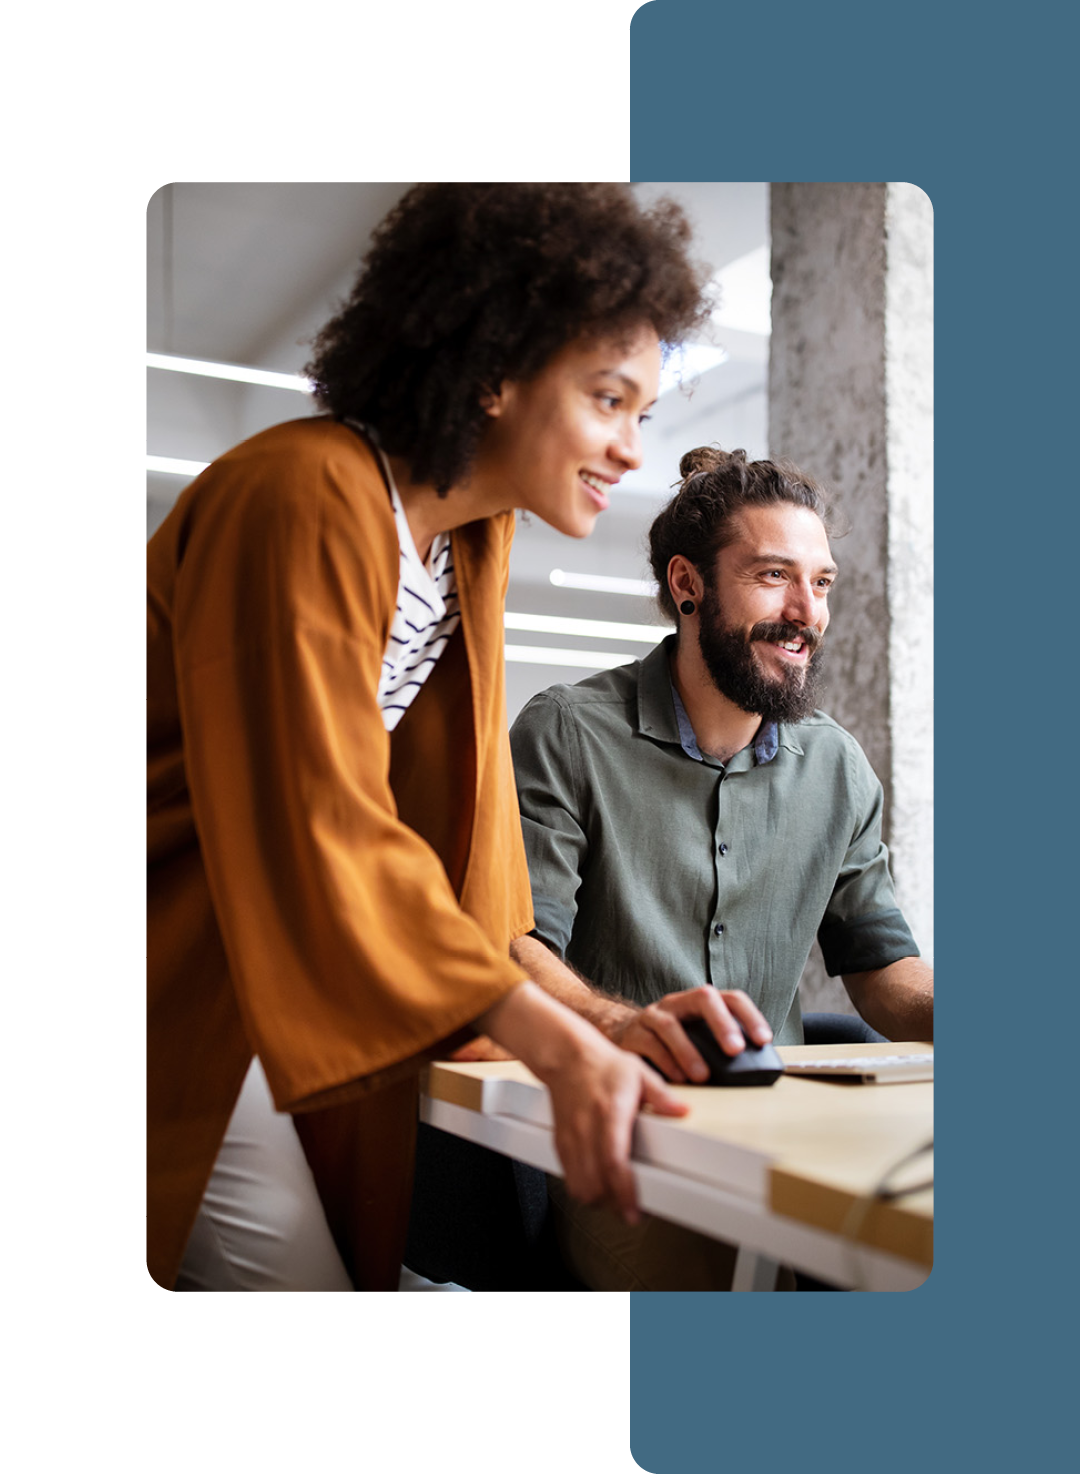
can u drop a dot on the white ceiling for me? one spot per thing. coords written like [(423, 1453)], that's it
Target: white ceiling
[(247, 273)]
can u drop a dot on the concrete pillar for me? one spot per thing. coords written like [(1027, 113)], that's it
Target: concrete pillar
[(851, 401)]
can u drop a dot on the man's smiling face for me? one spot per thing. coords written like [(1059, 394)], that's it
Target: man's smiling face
[(765, 611)]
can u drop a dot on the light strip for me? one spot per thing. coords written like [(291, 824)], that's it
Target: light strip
[(743, 290), (590, 659), (266, 377), (685, 364), (589, 629), (599, 583), (689, 362), (172, 467)]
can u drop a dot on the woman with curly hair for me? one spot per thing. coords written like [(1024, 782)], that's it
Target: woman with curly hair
[(336, 867)]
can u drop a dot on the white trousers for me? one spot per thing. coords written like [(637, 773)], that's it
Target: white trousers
[(261, 1225)]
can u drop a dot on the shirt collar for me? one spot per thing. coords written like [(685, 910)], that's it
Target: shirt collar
[(662, 715)]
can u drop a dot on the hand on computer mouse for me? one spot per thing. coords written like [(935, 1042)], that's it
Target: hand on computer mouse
[(756, 1064), (659, 1032)]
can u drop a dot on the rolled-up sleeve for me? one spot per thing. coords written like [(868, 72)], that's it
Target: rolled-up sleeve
[(863, 927)]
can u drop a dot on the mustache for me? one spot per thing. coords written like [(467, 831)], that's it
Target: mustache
[(779, 633)]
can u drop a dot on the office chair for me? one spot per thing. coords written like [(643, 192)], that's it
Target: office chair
[(838, 1028)]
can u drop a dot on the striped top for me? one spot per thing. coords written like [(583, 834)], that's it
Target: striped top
[(427, 613)]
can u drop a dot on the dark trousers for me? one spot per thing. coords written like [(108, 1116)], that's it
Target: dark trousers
[(480, 1219)]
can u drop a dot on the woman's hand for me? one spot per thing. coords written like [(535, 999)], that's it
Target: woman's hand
[(596, 1090)]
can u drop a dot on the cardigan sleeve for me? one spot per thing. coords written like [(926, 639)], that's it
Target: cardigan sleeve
[(347, 947)]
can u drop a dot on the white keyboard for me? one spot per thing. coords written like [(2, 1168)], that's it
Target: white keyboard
[(881, 1068)]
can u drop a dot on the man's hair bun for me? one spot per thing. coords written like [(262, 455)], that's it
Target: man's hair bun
[(708, 458)]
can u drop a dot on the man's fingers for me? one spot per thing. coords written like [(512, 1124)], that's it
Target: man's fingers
[(722, 1022), (749, 1015), (723, 1012), (665, 1027), (647, 1043)]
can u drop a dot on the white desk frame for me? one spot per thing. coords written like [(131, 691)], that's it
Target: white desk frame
[(516, 1123)]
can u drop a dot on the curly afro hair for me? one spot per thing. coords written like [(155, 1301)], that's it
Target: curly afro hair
[(699, 519), (468, 285)]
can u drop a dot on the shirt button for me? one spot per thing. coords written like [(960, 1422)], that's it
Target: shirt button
[(719, 928), (723, 849)]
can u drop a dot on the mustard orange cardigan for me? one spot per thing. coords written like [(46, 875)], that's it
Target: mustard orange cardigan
[(337, 901)]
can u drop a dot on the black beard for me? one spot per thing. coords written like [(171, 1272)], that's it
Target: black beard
[(736, 673)]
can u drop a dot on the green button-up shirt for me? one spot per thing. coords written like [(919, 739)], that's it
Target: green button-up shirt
[(655, 869)]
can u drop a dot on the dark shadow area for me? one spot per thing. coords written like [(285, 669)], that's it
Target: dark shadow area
[(480, 1219)]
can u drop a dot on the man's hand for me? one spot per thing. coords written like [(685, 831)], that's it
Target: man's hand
[(656, 1033), (604, 1012), (596, 1092)]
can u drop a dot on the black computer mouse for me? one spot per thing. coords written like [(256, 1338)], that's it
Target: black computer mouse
[(758, 1064)]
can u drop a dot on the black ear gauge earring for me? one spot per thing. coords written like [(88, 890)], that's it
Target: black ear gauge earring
[(687, 606)]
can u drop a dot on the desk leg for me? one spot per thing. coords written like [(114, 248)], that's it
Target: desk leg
[(754, 1271)]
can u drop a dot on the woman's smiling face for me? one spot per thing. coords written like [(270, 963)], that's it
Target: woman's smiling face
[(558, 443)]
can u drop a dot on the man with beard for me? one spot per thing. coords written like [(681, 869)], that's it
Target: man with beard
[(692, 822)]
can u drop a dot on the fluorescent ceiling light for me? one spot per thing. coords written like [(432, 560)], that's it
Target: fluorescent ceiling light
[(590, 629), (743, 290), (234, 371), (745, 294), (690, 361), (599, 583), (589, 659), (172, 467)]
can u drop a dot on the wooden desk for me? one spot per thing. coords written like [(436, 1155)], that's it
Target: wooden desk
[(788, 1171)]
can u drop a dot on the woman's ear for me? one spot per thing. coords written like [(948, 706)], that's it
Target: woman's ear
[(494, 401)]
